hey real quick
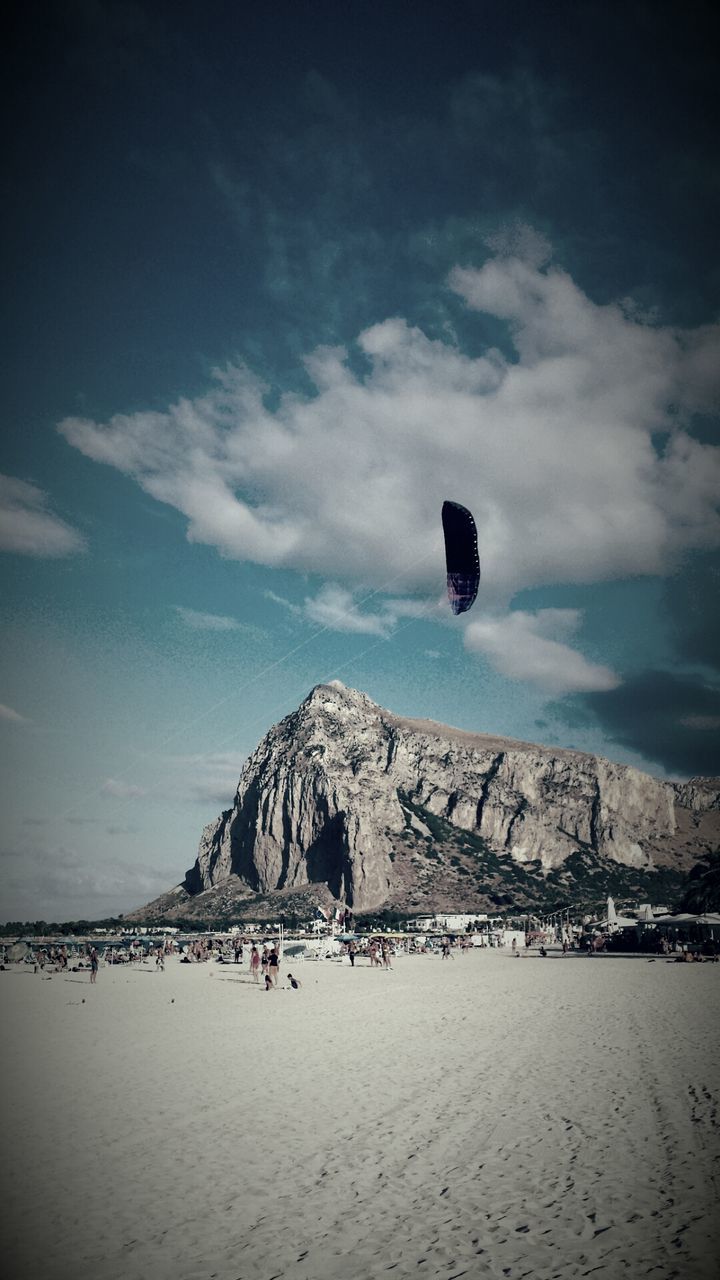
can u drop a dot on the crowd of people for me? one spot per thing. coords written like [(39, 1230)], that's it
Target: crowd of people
[(264, 958)]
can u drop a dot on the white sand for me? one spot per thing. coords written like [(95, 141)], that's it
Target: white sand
[(483, 1116)]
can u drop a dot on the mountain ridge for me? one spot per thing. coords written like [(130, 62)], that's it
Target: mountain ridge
[(345, 801)]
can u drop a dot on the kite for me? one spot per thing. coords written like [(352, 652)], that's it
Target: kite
[(461, 556)]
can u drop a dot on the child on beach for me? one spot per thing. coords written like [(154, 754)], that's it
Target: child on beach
[(295, 983)]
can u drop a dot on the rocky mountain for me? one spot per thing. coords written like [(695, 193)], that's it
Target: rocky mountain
[(346, 801)]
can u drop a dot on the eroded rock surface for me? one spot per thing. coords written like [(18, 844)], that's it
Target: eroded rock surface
[(337, 792)]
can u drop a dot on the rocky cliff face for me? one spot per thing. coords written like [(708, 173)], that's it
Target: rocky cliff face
[(382, 810)]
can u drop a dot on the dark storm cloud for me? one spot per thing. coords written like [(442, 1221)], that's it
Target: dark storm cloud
[(673, 720), (692, 603)]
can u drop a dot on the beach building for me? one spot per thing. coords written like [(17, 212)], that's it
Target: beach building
[(450, 923)]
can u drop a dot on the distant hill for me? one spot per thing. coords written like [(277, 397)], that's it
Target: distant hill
[(345, 801)]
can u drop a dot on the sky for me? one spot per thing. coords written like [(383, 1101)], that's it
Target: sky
[(280, 279)]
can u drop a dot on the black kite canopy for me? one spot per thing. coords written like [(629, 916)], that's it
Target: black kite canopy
[(461, 556)]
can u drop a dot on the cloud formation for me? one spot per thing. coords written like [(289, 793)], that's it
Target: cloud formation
[(556, 452), (692, 605), (13, 717), (575, 454), (529, 646), (122, 790), (209, 779), (213, 780), (207, 621), (334, 608), (26, 525), (55, 883), (672, 719)]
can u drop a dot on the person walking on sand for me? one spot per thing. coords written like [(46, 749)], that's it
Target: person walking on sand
[(94, 964), (274, 965), (255, 963)]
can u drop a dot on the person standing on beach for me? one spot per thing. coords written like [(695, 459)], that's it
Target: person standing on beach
[(255, 963), (94, 964), (274, 965)]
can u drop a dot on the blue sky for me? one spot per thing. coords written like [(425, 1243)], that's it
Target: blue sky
[(282, 279)]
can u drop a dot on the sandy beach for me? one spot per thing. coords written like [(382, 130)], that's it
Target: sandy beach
[(482, 1116)]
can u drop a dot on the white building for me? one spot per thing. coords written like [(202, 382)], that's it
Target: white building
[(451, 923)]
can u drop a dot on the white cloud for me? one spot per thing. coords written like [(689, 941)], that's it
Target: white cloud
[(207, 621), (28, 528), (285, 604), (14, 717), (333, 607), (554, 452), (529, 646), (122, 790)]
